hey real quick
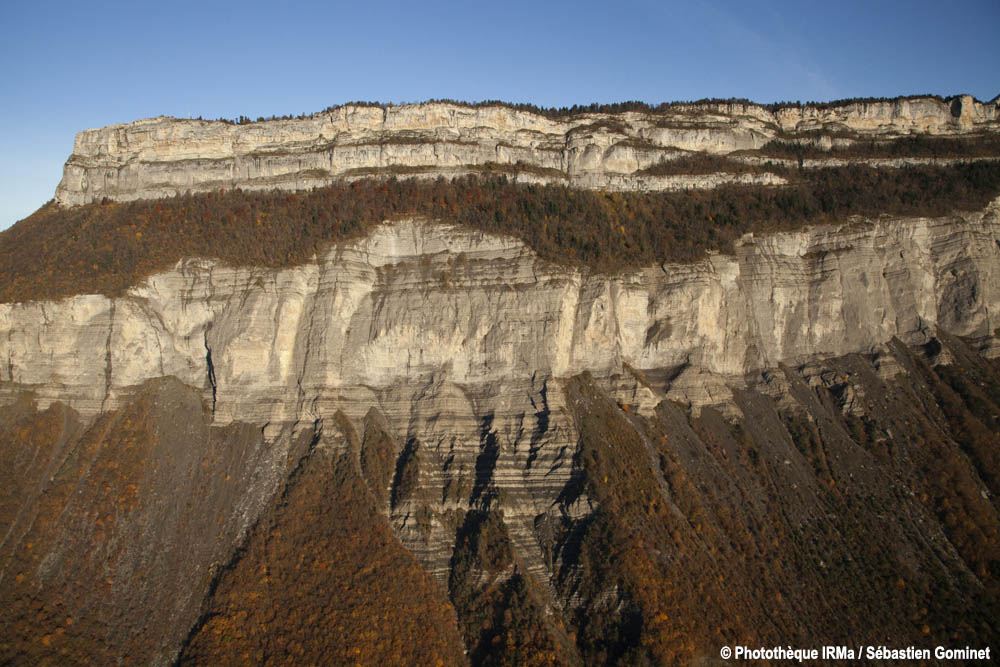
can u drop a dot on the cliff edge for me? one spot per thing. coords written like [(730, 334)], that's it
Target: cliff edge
[(162, 157), (472, 421)]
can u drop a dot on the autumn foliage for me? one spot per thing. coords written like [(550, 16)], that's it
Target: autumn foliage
[(322, 580), (107, 248)]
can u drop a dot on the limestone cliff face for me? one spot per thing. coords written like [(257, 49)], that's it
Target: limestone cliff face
[(419, 299), (462, 341), (703, 447), (166, 156)]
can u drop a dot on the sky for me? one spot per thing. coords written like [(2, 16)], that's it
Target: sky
[(69, 66)]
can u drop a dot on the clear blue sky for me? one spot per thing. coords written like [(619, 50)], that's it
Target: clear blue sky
[(76, 65)]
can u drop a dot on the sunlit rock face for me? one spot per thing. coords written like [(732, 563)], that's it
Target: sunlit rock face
[(589, 451), (458, 369), (462, 341), (421, 303), (164, 156)]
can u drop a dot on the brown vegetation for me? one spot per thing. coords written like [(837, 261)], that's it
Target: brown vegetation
[(107, 556), (500, 605), (790, 525), (706, 163), (917, 146), (106, 248), (322, 580)]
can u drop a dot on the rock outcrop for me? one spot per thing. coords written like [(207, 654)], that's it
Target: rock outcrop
[(420, 302), (162, 157), (462, 341), (582, 467)]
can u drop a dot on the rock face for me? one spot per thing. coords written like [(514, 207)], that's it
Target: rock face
[(420, 304), (462, 341), (163, 157), (582, 467)]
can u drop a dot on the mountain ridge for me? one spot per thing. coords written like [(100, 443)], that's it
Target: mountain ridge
[(569, 425), (166, 156)]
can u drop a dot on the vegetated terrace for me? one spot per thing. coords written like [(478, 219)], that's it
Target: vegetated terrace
[(108, 247), (916, 146)]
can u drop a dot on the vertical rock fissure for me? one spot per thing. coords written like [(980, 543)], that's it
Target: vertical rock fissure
[(542, 415), (10, 354), (486, 463), (211, 367), (159, 352), (407, 476), (744, 282), (301, 395), (107, 356)]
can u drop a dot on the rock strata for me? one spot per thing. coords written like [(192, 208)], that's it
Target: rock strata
[(162, 157), (461, 340), (420, 306), (590, 467)]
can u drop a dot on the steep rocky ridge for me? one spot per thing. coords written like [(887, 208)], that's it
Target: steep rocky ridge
[(164, 156)]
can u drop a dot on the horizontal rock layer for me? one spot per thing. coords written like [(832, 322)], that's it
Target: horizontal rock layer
[(420, 303), (461, 340), (164, 156), (482, 365), (151, 533)]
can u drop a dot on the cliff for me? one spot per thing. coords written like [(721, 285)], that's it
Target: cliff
[(419, 299), (466, 346), (427, 443), (162, 157)]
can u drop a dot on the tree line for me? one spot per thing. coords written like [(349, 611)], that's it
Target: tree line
[(607, 107), (108, 247)]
